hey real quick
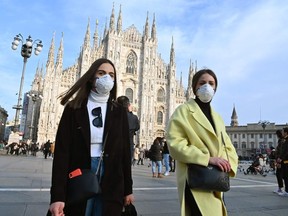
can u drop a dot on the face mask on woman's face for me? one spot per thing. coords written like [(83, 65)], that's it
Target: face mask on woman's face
[(104, 84), (205, 93)]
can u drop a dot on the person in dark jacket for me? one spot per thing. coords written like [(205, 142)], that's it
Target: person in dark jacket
[(133, 121), (283, 159), (46, 148), (90, 116), (279, 174), (166, 156), (156, 157)]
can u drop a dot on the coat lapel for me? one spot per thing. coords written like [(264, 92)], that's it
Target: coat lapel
[(216, 119), (199, 116), (82, 120), (108, 118)]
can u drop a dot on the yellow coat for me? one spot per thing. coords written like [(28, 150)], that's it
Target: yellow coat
[(192, 139)]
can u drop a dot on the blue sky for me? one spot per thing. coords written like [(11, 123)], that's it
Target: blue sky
[(244, 42)]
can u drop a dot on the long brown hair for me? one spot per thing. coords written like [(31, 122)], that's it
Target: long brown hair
[(197, 76), (84, 85)]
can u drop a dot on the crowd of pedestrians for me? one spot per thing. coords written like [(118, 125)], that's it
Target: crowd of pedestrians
[(25, 149), (21, 148), (157, 157)]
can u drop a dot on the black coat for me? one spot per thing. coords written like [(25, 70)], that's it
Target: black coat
[(155, 152), (134, 126), (165, 148), (72, 151), (284, 150)]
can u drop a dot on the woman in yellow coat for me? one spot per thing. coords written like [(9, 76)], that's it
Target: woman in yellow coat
[(194, 136)]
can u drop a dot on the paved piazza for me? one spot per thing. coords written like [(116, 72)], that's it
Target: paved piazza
[(25, 182)]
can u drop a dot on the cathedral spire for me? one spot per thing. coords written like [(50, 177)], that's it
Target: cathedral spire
[(105, 29), (119, 22), (112, 20), (191, 73), (189, 92), (153, 31), (36, 84), (172, 53), (87, 36), (95, 37), (37, 70), (234, 118), (50, 61), (181, 79), (146, 30), (59, 60), (41, 71)]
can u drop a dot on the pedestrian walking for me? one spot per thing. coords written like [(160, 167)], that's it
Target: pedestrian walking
[(166, 157), (155, 154), (90, 116), (136, 154), (279, 173), (141, 155), (283, 159), (196, 135)]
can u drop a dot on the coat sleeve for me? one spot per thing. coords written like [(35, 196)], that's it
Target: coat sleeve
[(126, 155), (61, 158), (232, 154), (137, 124), (183, 142)]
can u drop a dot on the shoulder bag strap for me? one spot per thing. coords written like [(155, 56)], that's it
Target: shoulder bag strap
[(102, 153)]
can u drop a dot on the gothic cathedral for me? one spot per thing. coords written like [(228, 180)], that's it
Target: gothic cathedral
[(143, 76)]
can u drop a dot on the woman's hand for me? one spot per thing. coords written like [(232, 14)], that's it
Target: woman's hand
[(56, 209), (128, 199), (223, 164)]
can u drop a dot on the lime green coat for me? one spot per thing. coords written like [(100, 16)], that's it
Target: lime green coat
[(192, 139)]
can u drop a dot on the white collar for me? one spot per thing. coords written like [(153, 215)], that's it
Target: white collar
[(96, 97)]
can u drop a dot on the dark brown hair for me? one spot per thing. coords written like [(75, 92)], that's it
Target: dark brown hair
[(124, 101), (197, 76), (84, 85), (157, 141), (279, 134)]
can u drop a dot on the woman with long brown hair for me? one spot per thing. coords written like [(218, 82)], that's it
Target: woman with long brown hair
[(90, 115)]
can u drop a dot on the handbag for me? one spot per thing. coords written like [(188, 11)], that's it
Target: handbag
[(129, 210), (84, 183), (83, 186), (209, 178)]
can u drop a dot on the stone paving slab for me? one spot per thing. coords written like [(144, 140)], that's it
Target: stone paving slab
[(25, 183)]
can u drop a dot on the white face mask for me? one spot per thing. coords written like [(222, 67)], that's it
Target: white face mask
[(205, 93), (104, 84)]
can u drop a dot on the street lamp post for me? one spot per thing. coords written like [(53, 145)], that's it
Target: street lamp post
[(264, 124), (26, 51)]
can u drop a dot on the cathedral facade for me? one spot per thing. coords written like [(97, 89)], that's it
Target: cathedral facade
[(142, 75)]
